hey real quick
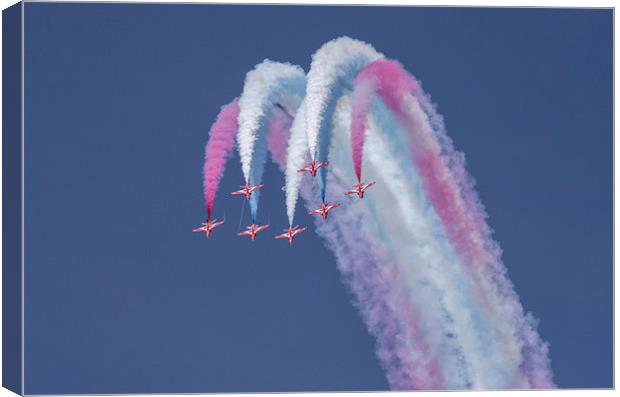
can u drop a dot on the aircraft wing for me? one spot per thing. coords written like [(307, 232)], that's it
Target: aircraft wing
[(281, 236), (258, 229), (315, 212), (200, 229), (246, 233), (256, 187), (297, 231), (238, 192), (305, 169)]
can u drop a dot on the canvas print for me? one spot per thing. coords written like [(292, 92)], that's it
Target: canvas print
[(262, 198)]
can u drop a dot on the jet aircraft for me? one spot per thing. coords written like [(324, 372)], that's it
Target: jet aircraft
[(208, 226), (252, 230), (313, 167), (290, 233), (324, 209), (359, 189), (247, 190)]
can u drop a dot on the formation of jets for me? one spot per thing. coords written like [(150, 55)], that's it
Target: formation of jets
[(290, 233)]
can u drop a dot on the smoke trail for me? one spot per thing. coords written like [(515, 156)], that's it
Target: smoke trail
[(218, 150), (268, 84), (416, 252), (414, 361), (361, 100), (401, 348), (400, 376), (297, 153), (333, 70), (524, 355), (367, 269), (392, 83), (385, 77), (365, 263), (278, 135), (425, 259), (402, 345), (534, 358)]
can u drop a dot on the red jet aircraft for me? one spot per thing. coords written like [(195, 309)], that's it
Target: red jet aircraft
[(252, 230), (359, 189), (324, 209), (313, 167), (290, 233), (208, 226), (247, 190)]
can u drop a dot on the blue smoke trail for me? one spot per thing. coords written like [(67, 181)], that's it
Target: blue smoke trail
[(278, 91), (342, 84)]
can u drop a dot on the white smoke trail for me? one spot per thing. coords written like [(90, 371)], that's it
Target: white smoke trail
[(333, 69), (335, 64), (267, 84), (297, 153)]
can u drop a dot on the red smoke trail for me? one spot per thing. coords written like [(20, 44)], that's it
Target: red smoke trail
[(360, 106), (218, 150), (393, 84), (388, 79)]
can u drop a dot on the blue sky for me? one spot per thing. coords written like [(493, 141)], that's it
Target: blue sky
[(122, 297)]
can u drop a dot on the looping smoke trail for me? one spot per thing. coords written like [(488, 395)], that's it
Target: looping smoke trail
[(416, 252), (218, 150), (332, 71), (388, 79), (393, 84), (297, 153), (267, 85)]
